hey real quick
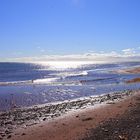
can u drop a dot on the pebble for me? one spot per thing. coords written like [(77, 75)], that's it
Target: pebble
[(138, 126), (30, 116), (9, 136), (8, 132), (44, 119), (1, 137), (23, 134)]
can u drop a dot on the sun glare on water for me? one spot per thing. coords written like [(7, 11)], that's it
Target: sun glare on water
[(62, 65)]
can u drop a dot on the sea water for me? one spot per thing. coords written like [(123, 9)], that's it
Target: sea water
[(27, 84)]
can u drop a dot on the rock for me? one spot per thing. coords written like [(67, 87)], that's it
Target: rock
[(2, 132), (123, 137), (9, 136), (32, 123), (87, 119), (10, 127), (116, 132), (110, 102), (7, 132), (105, 130), (44, 119), (23, 134), (1, 137), (102, 100), (108, 97), (138, 126), (8, 122)]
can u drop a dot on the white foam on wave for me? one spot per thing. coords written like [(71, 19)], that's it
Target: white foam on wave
[(45, 81), (37, 81), (67, 74), (15, 83)]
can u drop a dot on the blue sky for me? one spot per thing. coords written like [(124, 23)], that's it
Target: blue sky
[(33, 28)]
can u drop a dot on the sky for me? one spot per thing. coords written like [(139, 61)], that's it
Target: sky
[(70, 28)]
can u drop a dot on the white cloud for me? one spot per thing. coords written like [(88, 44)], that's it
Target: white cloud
[(124, 55), (129, 52)]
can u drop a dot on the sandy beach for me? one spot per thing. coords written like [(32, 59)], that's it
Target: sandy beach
[(86, 118), (73, 124), (130, 70), (134, 70)]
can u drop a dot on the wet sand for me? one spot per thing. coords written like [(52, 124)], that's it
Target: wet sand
[(134, 70), (129, 71), (135, 80), (76, 124)]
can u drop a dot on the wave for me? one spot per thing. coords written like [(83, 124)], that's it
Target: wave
[(96, 79), (37, 81), (71, 74), (45, 81), (15, 83)]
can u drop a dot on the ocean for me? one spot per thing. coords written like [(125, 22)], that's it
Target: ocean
[(27, 84)]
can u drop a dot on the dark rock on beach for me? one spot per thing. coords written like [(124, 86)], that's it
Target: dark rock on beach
[(30, 116)]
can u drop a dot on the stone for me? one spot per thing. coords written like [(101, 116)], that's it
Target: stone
[(1, 137), (44, 119), (7, 132), (9, 136), (23, 134), (8, 122)]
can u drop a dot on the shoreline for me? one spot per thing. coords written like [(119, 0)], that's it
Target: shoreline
[(135, 70), (76, 125), (33, 116)]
